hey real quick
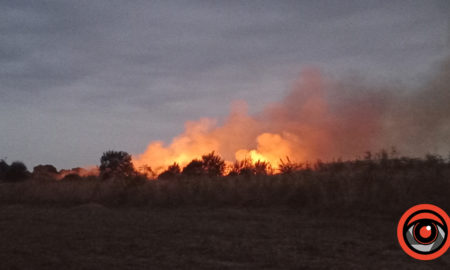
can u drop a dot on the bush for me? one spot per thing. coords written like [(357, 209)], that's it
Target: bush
[(247, 168), (172, 172), (289, 167), (262, 168)]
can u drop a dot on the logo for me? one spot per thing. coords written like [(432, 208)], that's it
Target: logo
[(423, 232)]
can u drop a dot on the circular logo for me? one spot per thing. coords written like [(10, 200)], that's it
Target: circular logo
[(423, 232)]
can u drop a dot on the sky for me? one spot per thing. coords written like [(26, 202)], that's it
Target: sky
[(78, 78)]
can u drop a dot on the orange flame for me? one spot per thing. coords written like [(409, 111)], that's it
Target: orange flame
[(303, 126)]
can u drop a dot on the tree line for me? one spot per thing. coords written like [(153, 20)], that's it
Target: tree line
[(118, 165)]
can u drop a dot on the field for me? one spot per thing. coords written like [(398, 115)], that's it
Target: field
[(91, 236), (340, 215)]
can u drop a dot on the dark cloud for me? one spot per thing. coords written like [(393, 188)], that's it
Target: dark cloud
[(150, 65)]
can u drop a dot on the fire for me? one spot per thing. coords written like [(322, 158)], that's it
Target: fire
[(303, 126), (193, 143), (271, 148)]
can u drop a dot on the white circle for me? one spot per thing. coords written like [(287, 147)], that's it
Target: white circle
[(428, 228)]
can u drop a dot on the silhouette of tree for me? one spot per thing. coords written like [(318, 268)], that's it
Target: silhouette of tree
[(16, 172), (3, 169), (45, 172), (194, 168), (116, 164), (213, 164)]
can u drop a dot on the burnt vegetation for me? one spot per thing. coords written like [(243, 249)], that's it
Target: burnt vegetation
[(382, 181)]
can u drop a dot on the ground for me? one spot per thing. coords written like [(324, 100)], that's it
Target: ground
[(92, 236)]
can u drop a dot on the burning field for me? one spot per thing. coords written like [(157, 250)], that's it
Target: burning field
[(294, 186), (321, 119), (224, 134)]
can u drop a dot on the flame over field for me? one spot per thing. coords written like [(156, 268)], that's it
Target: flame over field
[(318, 119), (301, 127)]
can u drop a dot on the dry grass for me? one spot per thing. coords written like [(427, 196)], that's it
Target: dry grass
[(351, 186), (339, 215)]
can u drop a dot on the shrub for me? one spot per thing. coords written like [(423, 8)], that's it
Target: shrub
[(289, 167), (242, 167), (262, 168), (247, 168), (172, 172)]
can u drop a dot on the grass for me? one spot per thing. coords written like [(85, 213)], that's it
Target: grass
[(392, 184), (339, 215)]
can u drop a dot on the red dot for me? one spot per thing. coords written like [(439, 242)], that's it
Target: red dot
[(425, 231)]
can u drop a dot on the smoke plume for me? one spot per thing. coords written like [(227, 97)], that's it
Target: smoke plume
[(320, 118)]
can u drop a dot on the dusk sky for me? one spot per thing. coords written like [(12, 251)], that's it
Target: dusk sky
[(80, 77)]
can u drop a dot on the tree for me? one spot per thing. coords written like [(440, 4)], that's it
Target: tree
[(16, 172), (4, 167), (194, 168), (47, 172), (213, 164), (116, 164), (210, 165)]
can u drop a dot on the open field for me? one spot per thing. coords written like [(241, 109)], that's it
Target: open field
[(92, 236), (338, 216)]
